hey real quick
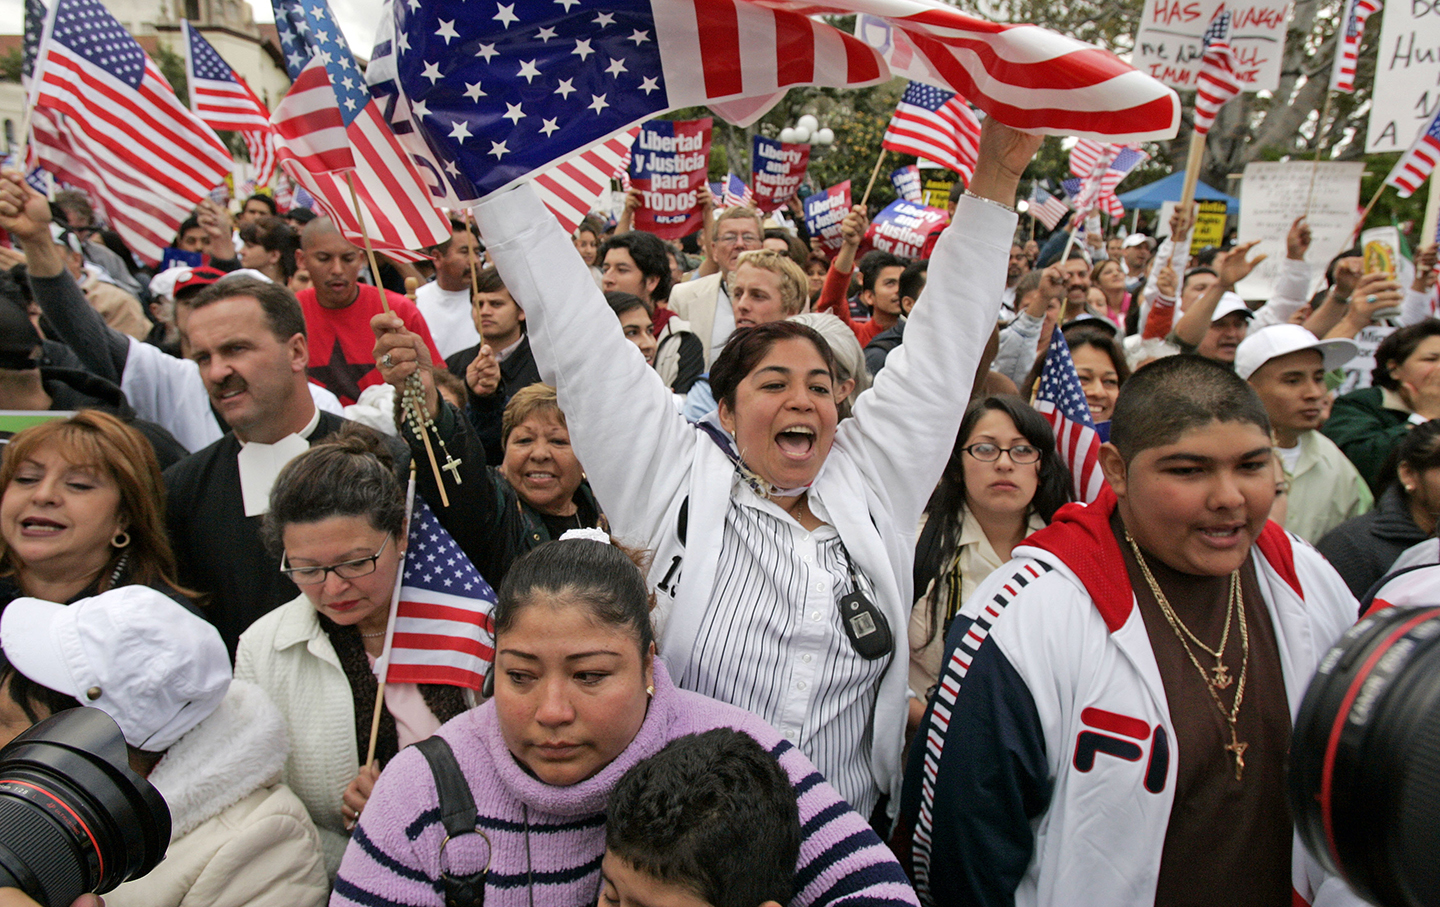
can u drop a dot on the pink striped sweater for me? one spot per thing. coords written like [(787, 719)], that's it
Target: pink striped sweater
[(548, 841)]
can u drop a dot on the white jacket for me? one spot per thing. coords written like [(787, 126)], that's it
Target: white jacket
[(644, 461), (287, 654), (1103, 827), (238, 835)]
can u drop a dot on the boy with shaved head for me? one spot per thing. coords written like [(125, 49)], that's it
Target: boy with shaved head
[(1114, 713)]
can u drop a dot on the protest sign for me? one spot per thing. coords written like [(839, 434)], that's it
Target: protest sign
[(668, 167), (936, 192), (823, 212), (1171, 40), (1407, 75), (777, 169), (1209, 229), (1272, 195), (906, 181), (902, 228)]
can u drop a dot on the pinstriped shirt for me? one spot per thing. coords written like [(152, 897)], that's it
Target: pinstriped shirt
[(772, 642)]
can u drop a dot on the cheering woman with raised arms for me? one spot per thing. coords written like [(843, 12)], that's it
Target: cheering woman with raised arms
[(782, 544)]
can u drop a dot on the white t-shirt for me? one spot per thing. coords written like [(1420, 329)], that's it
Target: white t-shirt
[(447, 314), (1290, 456)]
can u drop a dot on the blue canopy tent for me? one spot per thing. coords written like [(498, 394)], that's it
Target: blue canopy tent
[(1151, 197)]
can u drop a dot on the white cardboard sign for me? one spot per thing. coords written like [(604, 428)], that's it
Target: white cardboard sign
[(1272, 195), (1407, 75), (1169, 45)]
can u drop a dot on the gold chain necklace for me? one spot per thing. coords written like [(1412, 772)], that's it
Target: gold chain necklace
[(1219, 680)]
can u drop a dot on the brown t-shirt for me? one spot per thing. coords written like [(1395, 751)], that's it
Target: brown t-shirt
[(1228, 841)]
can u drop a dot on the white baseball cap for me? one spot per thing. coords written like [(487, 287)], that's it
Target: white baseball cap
[(1135, 239), (1229, 304), (1283, 339), (133, 652)]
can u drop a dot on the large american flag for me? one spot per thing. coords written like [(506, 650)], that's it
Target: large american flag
[(441, 627), (1022, 75), (1061, 400), (222, 99), (1216, 82), (107, 123), (1347, 43), (398, 205), (574, 187), (1416, 164), (937, 125), (1045, 207)]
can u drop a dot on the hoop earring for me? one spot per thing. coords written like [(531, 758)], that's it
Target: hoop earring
[(121, 539)]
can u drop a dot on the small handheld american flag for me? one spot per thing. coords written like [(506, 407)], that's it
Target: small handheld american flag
[(441, 628), (937, 125), (1416, 164), (1216, 81), (1061, 400)]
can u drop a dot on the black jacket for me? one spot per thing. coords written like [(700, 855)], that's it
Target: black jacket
[(1363, 548), (517, 371)]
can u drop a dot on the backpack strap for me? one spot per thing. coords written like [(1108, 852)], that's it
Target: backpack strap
[(459, 817)]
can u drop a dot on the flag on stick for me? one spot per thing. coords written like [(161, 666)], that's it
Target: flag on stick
[(220, 97), (399, 213), (1046, 208), (1061, 400), (1416, 164), (734, 193), (1347, 43), (1216, 81), (937, 125), (107, 122), (441, 627)]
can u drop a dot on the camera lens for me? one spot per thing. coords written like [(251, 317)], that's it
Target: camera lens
[(1365, 759), (73, 817)]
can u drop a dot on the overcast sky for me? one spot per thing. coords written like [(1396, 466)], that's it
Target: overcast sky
[(356, 17)]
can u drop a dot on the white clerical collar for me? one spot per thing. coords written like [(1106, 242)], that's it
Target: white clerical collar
[(260, 464)]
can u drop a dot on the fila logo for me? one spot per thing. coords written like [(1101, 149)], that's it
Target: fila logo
[(1119, 741)]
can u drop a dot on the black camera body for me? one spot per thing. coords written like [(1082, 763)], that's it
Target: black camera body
[(74, 818)]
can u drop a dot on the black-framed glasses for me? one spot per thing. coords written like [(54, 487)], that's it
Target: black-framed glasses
[(310, 576), (1020, 454)]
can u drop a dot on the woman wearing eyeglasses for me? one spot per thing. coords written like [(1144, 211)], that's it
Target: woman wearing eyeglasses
[(1004, 480), (337, 527)]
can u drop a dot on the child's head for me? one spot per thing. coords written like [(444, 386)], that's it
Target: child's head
[(709, 820)]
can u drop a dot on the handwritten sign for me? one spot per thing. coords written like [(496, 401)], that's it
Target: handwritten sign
[(906, 181), (1272, 195), (902, 228), (824, 211), (668, 167), (1170, 42), (777, 170), (1407, 75)]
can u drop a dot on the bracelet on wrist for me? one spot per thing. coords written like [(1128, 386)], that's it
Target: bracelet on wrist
[(990, 201)]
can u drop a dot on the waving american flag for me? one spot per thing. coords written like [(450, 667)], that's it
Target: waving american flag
[(1061, 400), (1347, 43), (937, 125), (106, 121), (220, 97), (1416, 164), (1216, 81)]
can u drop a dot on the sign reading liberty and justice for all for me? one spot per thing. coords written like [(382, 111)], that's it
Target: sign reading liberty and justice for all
[(1171, 40), (1407, 74)]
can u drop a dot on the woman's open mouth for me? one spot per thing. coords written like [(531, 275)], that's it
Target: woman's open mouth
[(797, 442)]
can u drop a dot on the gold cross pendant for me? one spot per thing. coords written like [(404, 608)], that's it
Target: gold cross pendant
[(1238, 748), (1222, 678)]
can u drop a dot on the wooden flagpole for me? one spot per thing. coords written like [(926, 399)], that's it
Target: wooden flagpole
[(1315, 166), (1192, 167), (873, 174), (390, 628), (1360, 224), (385, 302)]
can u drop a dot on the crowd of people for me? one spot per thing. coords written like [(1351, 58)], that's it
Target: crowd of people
[(794, 601)]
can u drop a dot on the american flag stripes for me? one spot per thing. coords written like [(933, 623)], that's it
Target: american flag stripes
[(1046, 208), (398, 203), (1061, 400), (441, 627), (309, 123), (1087, 155), (1097, 190), (572, 188), (937, 125), (108, 123), (734, 193), (1216, 81), (1415, 165), (1347, 43), (1023, 75), (220, 97)]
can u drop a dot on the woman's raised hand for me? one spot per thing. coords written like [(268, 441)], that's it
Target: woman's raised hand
[(1005, 152), (400, 353)]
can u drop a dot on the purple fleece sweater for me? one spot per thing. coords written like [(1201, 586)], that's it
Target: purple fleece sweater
[(548, 841)]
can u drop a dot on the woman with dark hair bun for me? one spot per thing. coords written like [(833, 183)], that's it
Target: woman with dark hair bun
[(1005, 479), (579, 699), (783, 539), (337, 527)]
